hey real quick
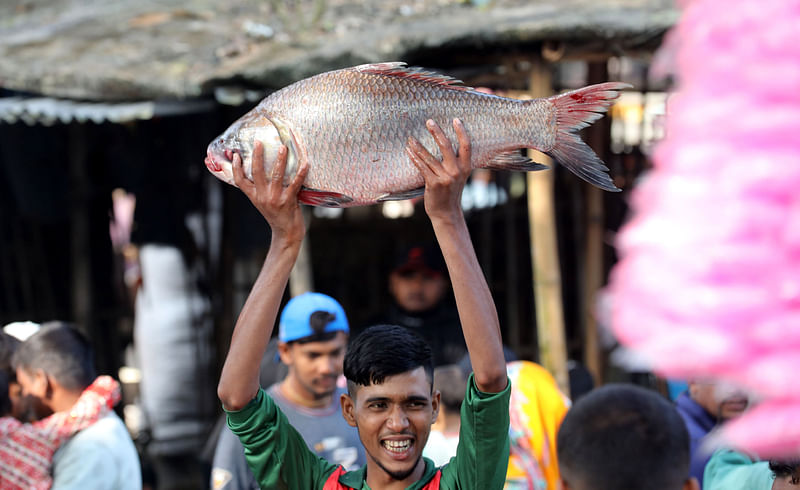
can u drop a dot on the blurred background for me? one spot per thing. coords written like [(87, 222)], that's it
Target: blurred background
[(109, 219)]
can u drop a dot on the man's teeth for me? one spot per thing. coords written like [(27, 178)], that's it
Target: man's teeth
[(397, 446)]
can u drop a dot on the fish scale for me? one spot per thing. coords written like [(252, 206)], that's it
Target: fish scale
[(351, 127)]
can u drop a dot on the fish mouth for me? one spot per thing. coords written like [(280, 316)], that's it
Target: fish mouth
[(217, 158), (212, 164)]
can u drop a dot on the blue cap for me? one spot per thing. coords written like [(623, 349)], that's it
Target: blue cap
[(296, 316)]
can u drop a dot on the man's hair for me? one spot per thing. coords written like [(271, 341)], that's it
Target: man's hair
[(385, 350), (8, 345), (782, 469), (318, 321), (623, 436), (62, 352)]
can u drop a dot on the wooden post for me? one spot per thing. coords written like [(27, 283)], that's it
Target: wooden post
[(544, 253), (301, 279), (593, 280), (597, 136)]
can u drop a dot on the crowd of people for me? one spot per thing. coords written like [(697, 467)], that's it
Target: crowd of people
[(426, 398)]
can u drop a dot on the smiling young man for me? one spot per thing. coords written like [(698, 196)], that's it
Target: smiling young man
[(390, 397)]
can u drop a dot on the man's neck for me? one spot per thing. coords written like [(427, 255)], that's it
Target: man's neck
[(63, 400), (297, 395), (378, 479)]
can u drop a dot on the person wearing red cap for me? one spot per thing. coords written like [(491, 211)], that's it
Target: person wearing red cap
[(420, 290)]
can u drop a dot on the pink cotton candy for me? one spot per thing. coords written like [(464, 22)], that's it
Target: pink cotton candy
[(708, 282)]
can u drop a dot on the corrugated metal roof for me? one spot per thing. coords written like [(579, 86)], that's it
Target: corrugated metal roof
[(48, 111)]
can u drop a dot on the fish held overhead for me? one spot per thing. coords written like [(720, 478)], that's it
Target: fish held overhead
[(351, 127)]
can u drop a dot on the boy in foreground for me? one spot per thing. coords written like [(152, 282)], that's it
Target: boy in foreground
[(390, 397)]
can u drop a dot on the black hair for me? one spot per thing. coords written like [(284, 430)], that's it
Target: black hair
[(62, 352), (782, 469), (318, 321), (623, 436), (385, 350), (8, 345)]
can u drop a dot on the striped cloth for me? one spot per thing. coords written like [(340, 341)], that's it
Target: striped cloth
[(26, 450)]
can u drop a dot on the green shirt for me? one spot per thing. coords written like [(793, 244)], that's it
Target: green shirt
[(731, 470), (280, 458)]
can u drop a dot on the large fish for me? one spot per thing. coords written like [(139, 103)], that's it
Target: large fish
[(352, 125)]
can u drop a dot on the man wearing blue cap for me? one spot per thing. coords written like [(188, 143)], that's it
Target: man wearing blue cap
[(312, 338)]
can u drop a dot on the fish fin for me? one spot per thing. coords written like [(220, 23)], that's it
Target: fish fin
[(574, 111), (399, 196), (400, 70), (325, 199), (514, 160)]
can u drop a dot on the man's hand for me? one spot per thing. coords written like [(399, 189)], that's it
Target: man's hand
[(278, 204), (445, 180), (238, 382)]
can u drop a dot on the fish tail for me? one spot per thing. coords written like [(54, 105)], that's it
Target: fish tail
[(576, 110)]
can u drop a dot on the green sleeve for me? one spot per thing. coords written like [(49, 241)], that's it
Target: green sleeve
[(481, 459), (275, 451), (731, 470)]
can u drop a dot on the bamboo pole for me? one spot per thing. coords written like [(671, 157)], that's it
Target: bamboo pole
[(593, 281), (597, 136), (544, 253)]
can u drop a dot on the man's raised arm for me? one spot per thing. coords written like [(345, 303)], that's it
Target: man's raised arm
[(444, 182), (239, 382)]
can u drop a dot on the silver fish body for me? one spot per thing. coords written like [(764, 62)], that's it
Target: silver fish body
[(351, 127)]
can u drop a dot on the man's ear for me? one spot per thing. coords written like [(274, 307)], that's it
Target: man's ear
[(436, 403), (691, 484), (285, 352), (348, 409)]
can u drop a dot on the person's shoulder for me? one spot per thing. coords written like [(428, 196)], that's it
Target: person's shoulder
[(108, 438), (104, 446), (698, 421), (728, 469), (108, 431)]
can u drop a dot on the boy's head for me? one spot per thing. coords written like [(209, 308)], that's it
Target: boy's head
[(55, 360), (623, 436), (390, 397), (787, 474), (451, 382), (312, 339)]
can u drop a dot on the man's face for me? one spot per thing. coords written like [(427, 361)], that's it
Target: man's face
[(314, 367), (417, 290), (21, 406), (394, 420), (31, 401), (721, 402), (785, 483)]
